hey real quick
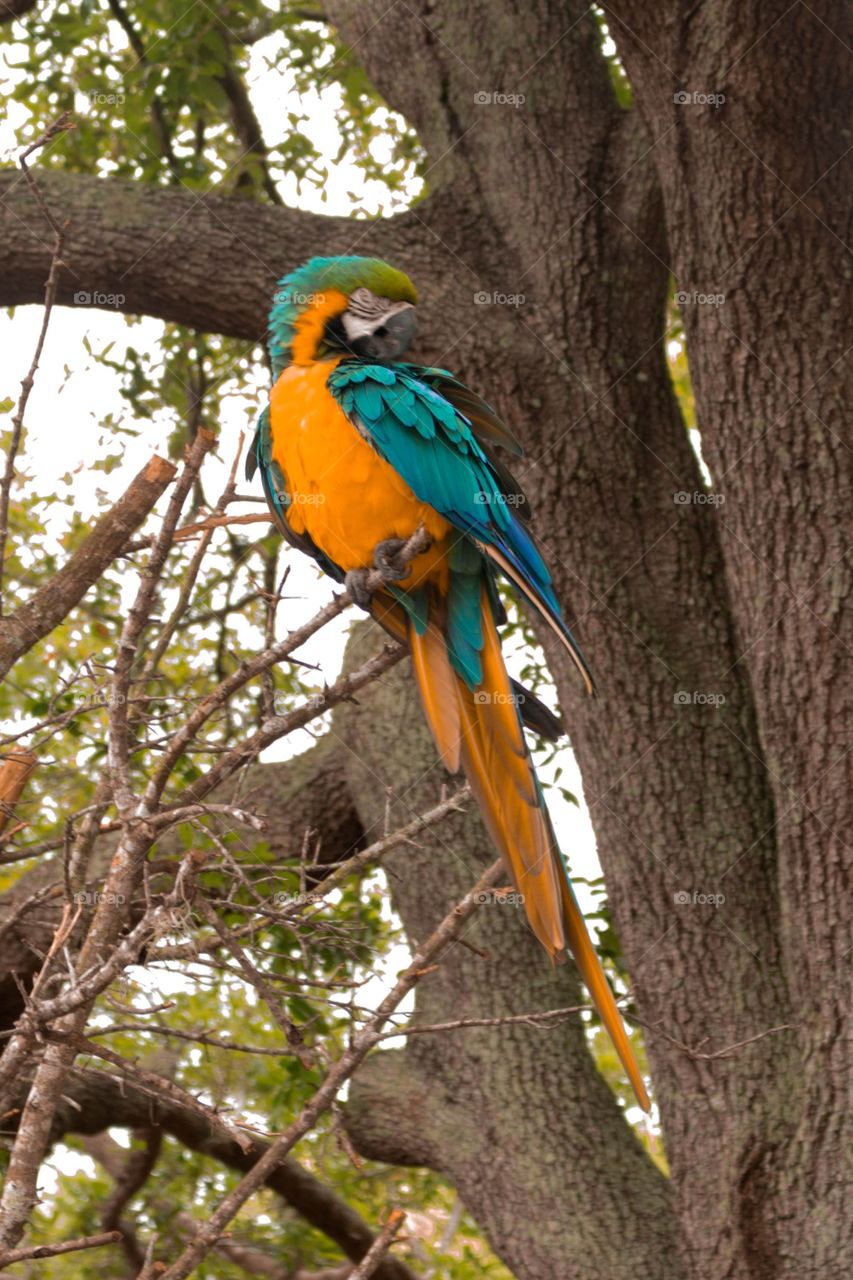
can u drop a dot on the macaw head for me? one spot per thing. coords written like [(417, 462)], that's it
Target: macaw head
[(342, 306)]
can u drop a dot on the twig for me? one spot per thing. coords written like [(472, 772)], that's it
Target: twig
[(157, 1086), (191, 574), (341, 870), (94, 974), (362, 1042), (377, 850), (726, 1052), (218, 521), (118, 737), (52, 1250), (255, 978), (195, 1037), (380, 1246), (59, 125), (36, 617), (553, 1016), (416, 545), (280, 726), (170, 816)]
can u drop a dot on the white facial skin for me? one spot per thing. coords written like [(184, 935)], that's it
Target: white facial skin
[(366, 313), (377, 328)]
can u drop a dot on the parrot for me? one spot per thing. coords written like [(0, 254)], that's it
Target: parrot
[(357, 450)]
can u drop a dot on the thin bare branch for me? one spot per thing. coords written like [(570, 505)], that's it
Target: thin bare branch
[(550, 1017), (380, 1246), (362, 1042), (59, 125), (36, 617), (119, 742), (53, 1250)]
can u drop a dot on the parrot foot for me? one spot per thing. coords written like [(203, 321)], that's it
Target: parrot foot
[(387, 562), (387, 565), (356, 585)]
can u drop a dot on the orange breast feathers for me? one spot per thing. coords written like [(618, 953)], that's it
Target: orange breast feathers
[(342, 494)]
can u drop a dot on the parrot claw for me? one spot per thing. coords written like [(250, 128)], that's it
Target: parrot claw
[(386, 559), (386, 564), (356, 584)]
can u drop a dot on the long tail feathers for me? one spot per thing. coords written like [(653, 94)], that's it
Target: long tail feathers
[(437, 683), (592, 974), (481, 730), (556, 624)]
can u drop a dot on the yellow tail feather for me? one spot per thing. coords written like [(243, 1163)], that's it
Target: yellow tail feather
[(481, 731), (593, 978), (437, 682)]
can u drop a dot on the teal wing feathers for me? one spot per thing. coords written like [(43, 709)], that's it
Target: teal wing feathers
[(433, 446)]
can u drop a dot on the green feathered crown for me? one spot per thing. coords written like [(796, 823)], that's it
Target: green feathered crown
[(297, 291)]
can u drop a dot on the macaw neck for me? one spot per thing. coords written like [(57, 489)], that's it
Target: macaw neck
[(309, 329)]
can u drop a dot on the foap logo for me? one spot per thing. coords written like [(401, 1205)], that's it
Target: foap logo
[(307, 499), (485, 298), (484, 499), (296, 899), (499, 897), (94, 898), (683, 898), (684, 98), (698, 698), (106, 698), (483, 697), (105, 99), (698, 498), (282, 703), (297, 298), (695, 298), (485, 98), (85, 298), (300, 499)]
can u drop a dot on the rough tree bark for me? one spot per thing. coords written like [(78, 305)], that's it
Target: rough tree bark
[(587, 211), (751, 190), (496, 1111)]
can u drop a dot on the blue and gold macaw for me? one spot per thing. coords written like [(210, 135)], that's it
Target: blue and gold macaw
[(357, 451)]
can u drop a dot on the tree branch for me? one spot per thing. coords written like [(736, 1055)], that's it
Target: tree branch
[(362, 1042), (51, 288), (247, 127), (36, 617), (94, 1102), (14, 772), (122, 238), (54, 1250)]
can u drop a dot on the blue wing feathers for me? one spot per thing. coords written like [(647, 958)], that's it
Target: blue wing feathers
[(440, 459), (432, 443)]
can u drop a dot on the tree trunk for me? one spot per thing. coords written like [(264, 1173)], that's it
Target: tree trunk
[(518, 1118), (757, 198)]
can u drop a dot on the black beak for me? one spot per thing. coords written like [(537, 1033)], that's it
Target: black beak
[(390, 339)]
